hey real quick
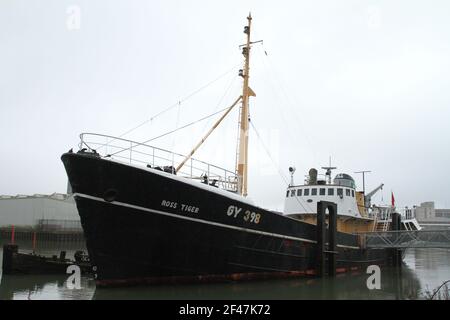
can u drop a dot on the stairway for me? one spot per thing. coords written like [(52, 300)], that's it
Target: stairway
[(383, 225)]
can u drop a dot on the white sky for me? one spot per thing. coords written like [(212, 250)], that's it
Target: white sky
[(365, 82)]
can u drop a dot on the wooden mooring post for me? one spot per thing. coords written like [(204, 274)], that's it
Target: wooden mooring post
[(396, 254), (34, 241), (324, 254), (8, 252), (13, 233)]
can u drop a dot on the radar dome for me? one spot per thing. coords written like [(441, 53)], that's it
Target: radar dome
[(343, 179)]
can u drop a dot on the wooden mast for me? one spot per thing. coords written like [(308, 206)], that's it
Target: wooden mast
[(242, 163), (242, 159)]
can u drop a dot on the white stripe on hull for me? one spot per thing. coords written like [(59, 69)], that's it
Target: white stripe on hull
[(217, 224)]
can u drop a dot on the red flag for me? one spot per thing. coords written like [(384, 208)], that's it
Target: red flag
[(392, 199)]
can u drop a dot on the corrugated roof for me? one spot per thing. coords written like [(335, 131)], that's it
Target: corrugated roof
[(55, 196)]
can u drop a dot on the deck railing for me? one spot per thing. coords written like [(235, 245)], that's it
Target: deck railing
[(385, 213), (141, 154)]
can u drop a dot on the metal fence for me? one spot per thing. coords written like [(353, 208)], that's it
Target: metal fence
[(59, 225)]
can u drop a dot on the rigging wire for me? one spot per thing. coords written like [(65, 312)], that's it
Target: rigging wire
[(178, 103), (267, 62), (169, 132), (222, 97), (280, 172), (194, 92), (176, 127)]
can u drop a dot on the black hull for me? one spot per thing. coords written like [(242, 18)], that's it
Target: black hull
[(135, 233)]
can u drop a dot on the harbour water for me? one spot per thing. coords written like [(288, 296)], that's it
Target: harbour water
[(424, 270)]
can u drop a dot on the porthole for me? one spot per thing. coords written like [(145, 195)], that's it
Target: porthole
[(110, 195)]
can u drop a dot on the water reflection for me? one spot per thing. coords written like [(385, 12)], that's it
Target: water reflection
[(424, 270), (45, 287), (431, 266), (350, 286)]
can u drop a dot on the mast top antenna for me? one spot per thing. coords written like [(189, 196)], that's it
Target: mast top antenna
[(328, 172)]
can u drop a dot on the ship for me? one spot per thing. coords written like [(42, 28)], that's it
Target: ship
[(151, 215), (356, 213)]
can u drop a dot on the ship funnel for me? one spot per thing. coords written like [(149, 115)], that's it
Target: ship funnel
[(312, 176)]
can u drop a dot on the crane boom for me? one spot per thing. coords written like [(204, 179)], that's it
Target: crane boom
[(369, 195)]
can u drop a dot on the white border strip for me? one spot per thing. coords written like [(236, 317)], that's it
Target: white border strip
[(217, 224)]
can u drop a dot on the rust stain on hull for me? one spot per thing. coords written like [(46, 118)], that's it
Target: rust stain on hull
[(214, 278)]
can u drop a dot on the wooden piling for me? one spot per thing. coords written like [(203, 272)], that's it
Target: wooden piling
[(396, 254), (34, 241), (8, 254), (332, 233), (321, 252), (320, 248)]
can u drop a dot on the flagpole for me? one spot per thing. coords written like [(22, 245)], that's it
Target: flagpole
[(392, 199)]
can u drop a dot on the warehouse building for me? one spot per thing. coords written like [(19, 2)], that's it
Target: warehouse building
[(431, 218), (52, 212)]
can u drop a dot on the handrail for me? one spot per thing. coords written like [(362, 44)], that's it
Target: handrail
[(146, 145), (406, 239), (384, 212), (404, 232), (145, 155)]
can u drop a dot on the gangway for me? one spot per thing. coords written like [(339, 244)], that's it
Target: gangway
[(406, 239)]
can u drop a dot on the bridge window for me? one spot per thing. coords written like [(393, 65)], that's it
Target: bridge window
[(299, 192), (314, 192), (331, 192), (322, 191), (292, 193), (306, 193), (340, 192), (353, 193), (347, 192)]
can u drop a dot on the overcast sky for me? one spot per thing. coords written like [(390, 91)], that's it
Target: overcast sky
[(365, 82)]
